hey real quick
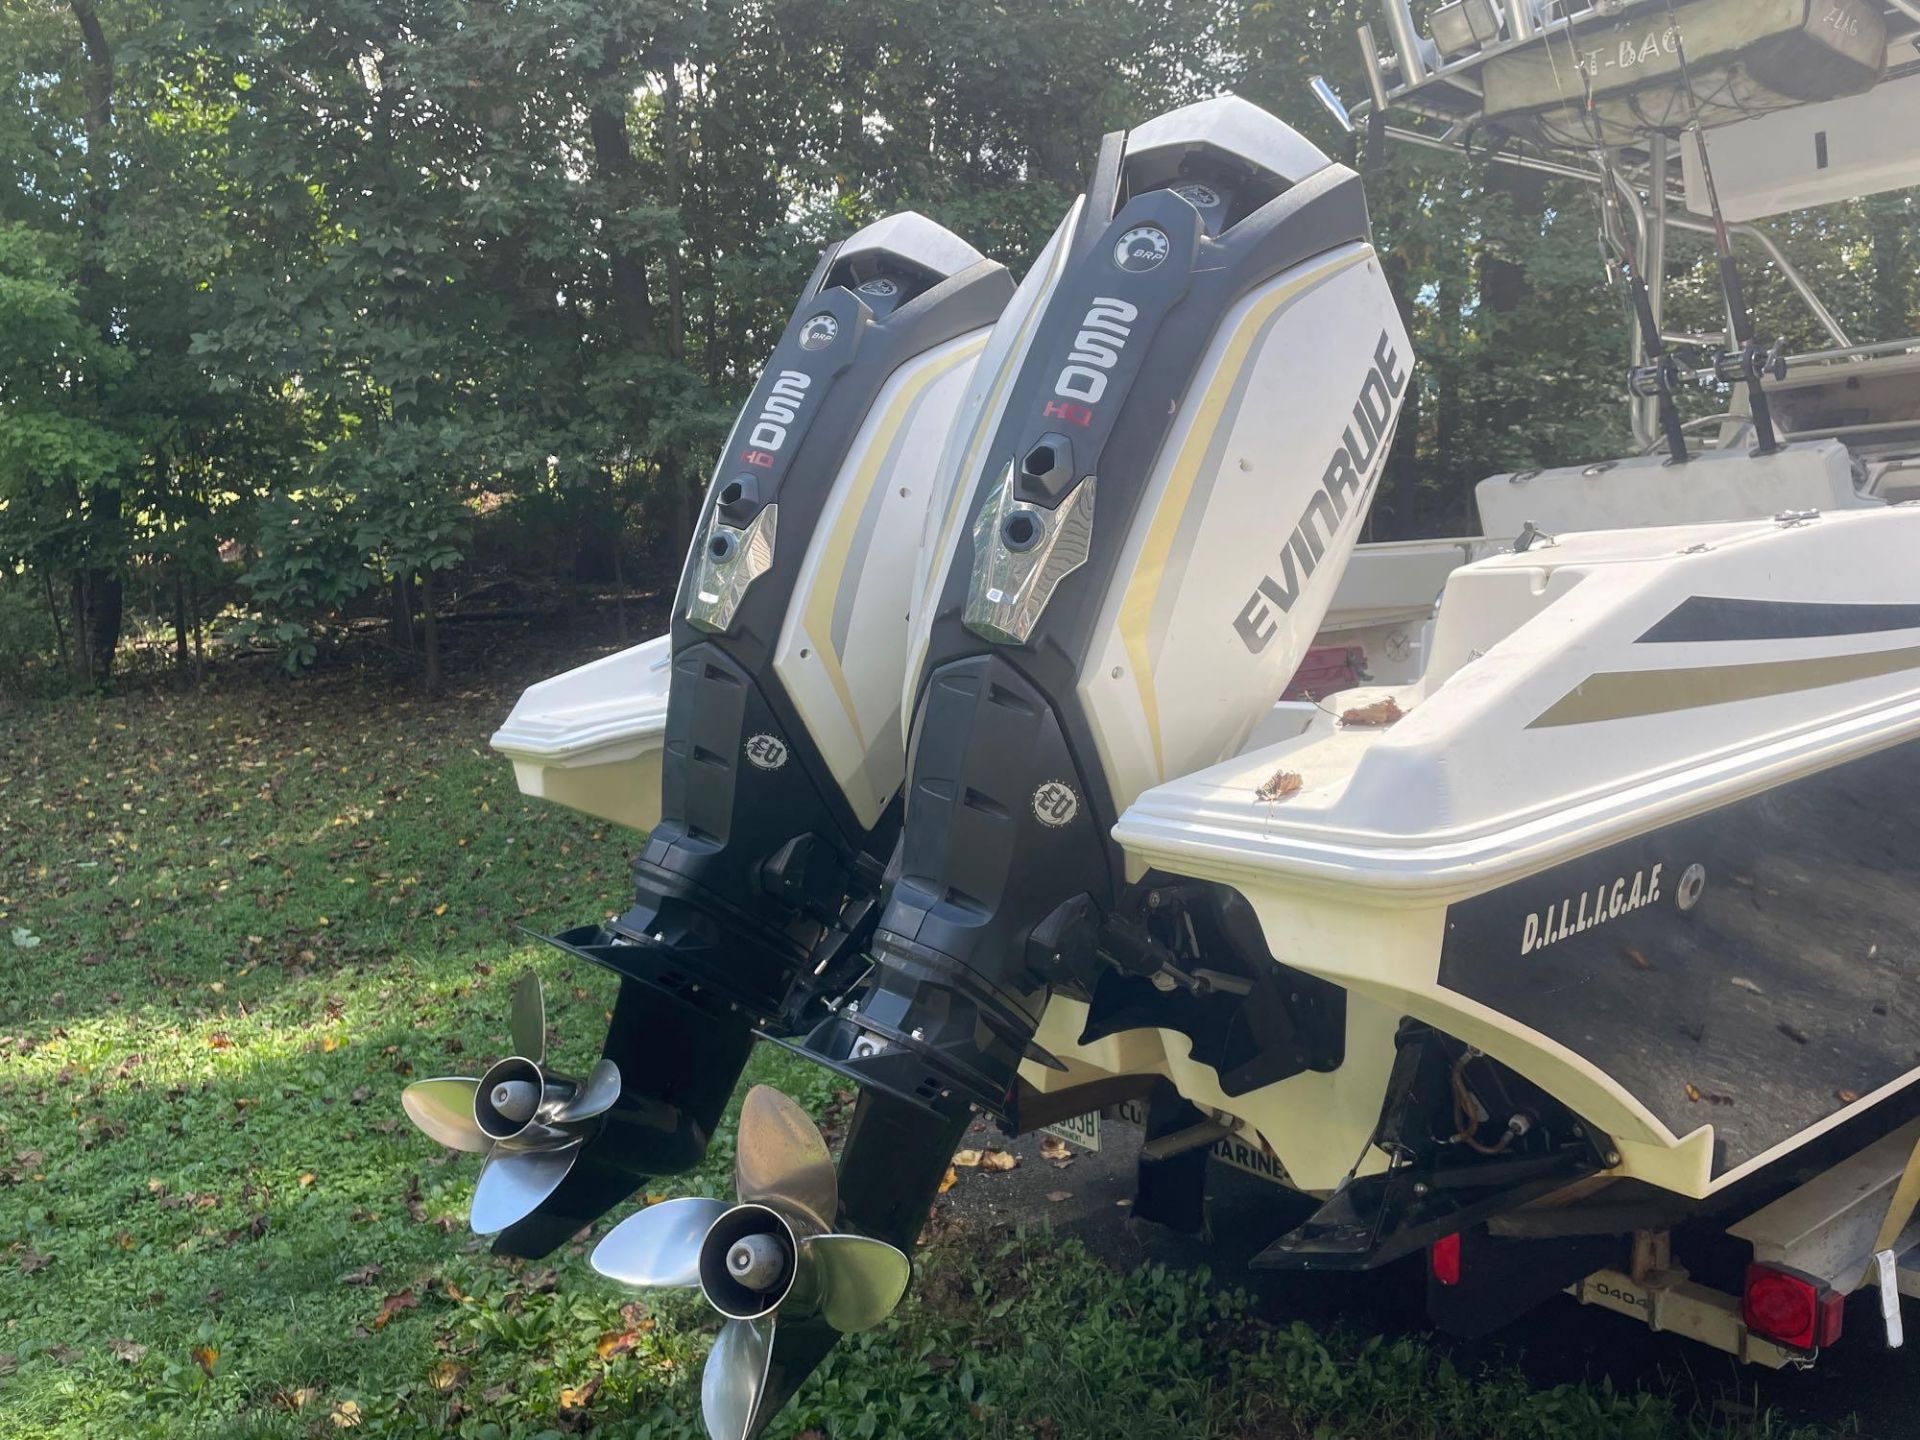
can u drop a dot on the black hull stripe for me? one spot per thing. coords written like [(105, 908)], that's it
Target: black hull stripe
[(1714, 618)]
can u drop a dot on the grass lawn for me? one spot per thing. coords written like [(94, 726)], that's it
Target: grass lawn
[(232, 925)]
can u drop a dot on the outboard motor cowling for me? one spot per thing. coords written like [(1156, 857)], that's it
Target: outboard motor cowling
[(1151, 538)]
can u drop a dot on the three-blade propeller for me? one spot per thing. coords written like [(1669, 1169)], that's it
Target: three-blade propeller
[(529, 1122), (771, 1263)]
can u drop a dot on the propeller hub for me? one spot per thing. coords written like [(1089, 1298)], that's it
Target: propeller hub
[(509, 1096), (747, 1261), (516, 1099), (757, 1262)]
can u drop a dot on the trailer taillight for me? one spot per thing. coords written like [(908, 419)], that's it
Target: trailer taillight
[(1790, 1308), (1444, 1256)]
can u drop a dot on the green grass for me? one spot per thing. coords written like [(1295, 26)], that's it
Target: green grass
[(234, 923)]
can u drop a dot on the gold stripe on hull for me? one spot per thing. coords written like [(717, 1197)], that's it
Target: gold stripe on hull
[(1632, 694)]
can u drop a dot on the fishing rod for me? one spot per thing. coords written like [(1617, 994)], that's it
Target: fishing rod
[(1749, 361), (1659, 378)]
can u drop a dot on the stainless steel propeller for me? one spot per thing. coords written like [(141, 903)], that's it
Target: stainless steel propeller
[(529, 1122), (771, 1263)]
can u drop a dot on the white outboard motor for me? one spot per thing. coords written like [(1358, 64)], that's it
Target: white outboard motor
[(782, 757)]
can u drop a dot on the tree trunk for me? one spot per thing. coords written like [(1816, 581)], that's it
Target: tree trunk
[(179, 623), (199, 630), (1890, 221), (1504, 283), (53, 614), (613, 159), (618, 537), (672, 147), (430, 632), (401, 621), (98, 595)]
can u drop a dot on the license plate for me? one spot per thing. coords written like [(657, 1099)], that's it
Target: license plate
[(1081, 1130)]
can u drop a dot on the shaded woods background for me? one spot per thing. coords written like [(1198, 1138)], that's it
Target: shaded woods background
[(365, 313)]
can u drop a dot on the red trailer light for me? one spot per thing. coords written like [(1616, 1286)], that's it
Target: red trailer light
[(1790, 1308), (1444, 1255)]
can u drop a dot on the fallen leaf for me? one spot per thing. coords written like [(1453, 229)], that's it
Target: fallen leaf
[(985, 1160), (578, 1397), (1375, 716), (392, 1306), (1746, 984), (1056, 1196), (296, 1399), (330, 1043), (616, 1342), (949, 1180), (1283, 784), (448, 1375), (206, 1357), (220, 1040), (126, 1350), (346, 1414), (365, 1275), (8, 1364), (1845, 1097), (1052, 1147), (1639, 960), (32, 1260), (306, 1178)]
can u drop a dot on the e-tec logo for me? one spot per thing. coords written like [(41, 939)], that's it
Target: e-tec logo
[(1347, 483), (782, 404), (769, 752), (1096, 350), (1055, 804)]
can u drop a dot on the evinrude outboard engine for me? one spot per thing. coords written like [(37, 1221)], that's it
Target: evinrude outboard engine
[(1138, 551), (783, 754)]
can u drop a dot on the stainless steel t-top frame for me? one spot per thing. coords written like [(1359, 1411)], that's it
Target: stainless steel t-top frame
[(1442, 97)]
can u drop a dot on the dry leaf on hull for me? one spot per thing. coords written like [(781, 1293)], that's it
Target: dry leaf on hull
[(1375, 716), (1283, 784)]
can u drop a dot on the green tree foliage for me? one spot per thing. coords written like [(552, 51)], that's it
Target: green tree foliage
[(298, 300)]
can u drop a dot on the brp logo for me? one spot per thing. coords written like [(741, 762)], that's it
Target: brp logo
[(880, 285), (767, 752), (1141, 249), (1055, 804), (819, 332)]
